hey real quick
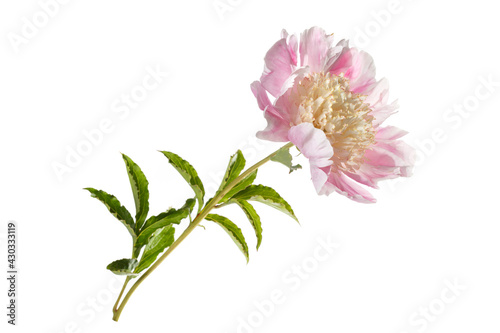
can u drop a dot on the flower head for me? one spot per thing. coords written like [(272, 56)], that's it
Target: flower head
[(329, 104)]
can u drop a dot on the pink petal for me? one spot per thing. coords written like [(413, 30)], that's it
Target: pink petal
[(377, 98), (384, 164), (319, 177), (342, 62), (388, 158), (379, 94), (358, 67), (314, 48), (280, 110), (260, 94), (391, 153), (291, 41), (390, 133), (284, 106), (388, 154), (340, 183), (381, 113), (335, 53), (277, 128), (314, 145), (297, 75), (280, 62), (370, 175)]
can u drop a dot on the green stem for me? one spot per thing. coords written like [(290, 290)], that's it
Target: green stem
[(200, 217), (115, 308)]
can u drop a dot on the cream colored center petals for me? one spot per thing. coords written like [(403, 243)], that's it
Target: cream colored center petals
[(325, 100)]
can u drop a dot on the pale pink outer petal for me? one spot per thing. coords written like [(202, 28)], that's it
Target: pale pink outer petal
[(284, 105), (280, 109), (370, 175), (277, 127), (314, 145), (388, 158), (377, 97), (381, 113), (391, 152), (291, 41), (378, 94), (340, 183), (297, 75), (276, 130), (280, 62), (343, 61), (390, 133), (314, 48), (334, 53), (358, 67), (319, 177), (260, 94)]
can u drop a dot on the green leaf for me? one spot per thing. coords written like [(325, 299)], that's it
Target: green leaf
[(157, 243), (232, 230), (284, 157), (247, 181), (253, 217), (124, 267), (156, 218), (234, 168), (189, 205), (115, 208), (156, 222), (139, 185), (189, 174), (265, 195)]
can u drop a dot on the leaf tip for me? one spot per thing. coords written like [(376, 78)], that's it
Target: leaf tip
[(91, 190)]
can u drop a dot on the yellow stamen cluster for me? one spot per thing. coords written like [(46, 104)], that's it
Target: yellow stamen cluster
[(325, 100)]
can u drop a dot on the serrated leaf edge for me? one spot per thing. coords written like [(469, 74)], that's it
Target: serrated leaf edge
[(270, 202), (128, 224), (248, 209), (141, 196), (238, 239), (193, 180)]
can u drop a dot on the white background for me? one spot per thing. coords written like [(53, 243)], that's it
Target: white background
[(395, 256)]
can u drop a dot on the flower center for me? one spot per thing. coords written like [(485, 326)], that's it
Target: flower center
[(325, 100)]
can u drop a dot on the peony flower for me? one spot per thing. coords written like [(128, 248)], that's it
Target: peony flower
[(328, 103)]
